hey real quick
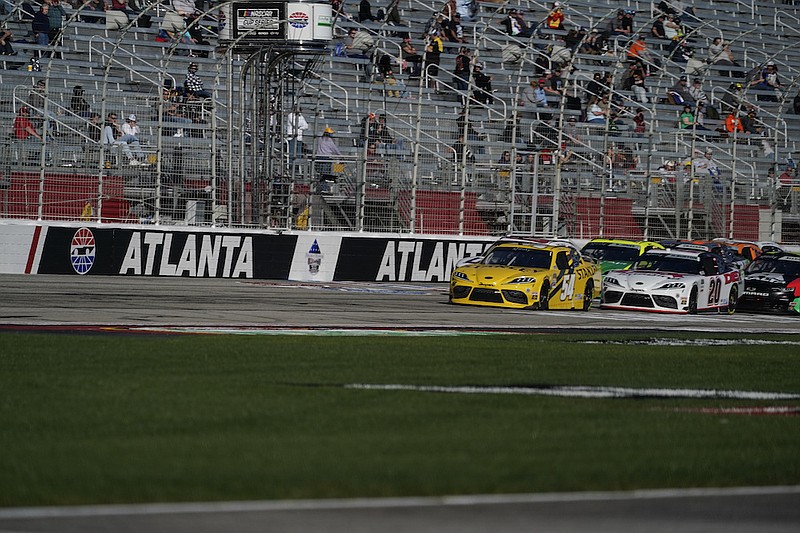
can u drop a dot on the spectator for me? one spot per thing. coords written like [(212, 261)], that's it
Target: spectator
[(483, 85), (170, 109), (639, 89), (23, 127), (433, 52), (461, 72), (94, 128), (534, 98), (515, 26), (40, 27), (733, 124), (638, 51), (697, 92), (618, 26), (92, 6), (555, 18), (295, 126), (719, 53), (5, 40), (733, 98), (687, 119), (767, 80), (113, 136), (193, 86), (55, 16), (672, 28), (365, 12), (78, 104), (452, 30), (657, 30), (361, 44), (640, 125), (679, 93), (596, 113), (596, 87), (411, 57), (120, 5), (326, 146), (184, 8), (574, 38), (325, 151), (37, 98), (796, 104), (555, 86)]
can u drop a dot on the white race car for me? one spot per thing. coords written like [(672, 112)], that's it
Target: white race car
[(674, 281)]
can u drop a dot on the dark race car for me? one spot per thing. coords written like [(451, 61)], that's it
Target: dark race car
[(772, 284)]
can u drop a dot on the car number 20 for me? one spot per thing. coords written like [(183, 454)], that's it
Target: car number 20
[(714, 290)]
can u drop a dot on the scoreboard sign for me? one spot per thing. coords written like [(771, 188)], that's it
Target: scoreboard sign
[(291, 23)]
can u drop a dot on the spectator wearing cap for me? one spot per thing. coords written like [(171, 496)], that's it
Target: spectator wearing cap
[(618, 26), (114, 136), (535, 95), (768, 81), (555, 85), (78, 104), (325, 151), (697, 92), (679, 93), (657, 29), (326, 146), (193, 85)]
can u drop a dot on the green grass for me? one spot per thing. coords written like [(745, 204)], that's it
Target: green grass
[(101, 419)]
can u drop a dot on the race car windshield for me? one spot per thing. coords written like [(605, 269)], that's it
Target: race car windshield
[(668, 263), (519, 257), (606, 252), (788, 267)]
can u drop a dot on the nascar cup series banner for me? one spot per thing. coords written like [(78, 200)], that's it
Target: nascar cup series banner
[(125, 251), (271, 22)]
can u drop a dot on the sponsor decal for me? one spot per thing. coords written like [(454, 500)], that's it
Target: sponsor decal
[(298, 20), (82, 251), (411, 261), (314, 258), (224, 256)]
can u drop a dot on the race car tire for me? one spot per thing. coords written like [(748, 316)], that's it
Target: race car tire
[(544, 297), (693, 301), (733, 298), (588, 295)]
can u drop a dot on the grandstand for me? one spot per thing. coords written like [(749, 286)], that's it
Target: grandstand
[(229, 166)]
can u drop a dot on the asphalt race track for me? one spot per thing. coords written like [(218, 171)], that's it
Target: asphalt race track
[(71, 302), (75, 301)]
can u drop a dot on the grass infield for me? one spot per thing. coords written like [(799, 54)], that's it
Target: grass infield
[(90, 419)]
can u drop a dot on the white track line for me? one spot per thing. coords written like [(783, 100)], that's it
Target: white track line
[(377, 503), (581, 391)]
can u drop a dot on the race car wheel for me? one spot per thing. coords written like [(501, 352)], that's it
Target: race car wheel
[(693, 301), (588, 295), (733, 298), (544, 297)]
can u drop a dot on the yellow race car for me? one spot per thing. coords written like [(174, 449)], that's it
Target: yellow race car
[(527, 276)]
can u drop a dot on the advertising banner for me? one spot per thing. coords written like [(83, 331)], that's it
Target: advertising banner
[(133, 252)]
